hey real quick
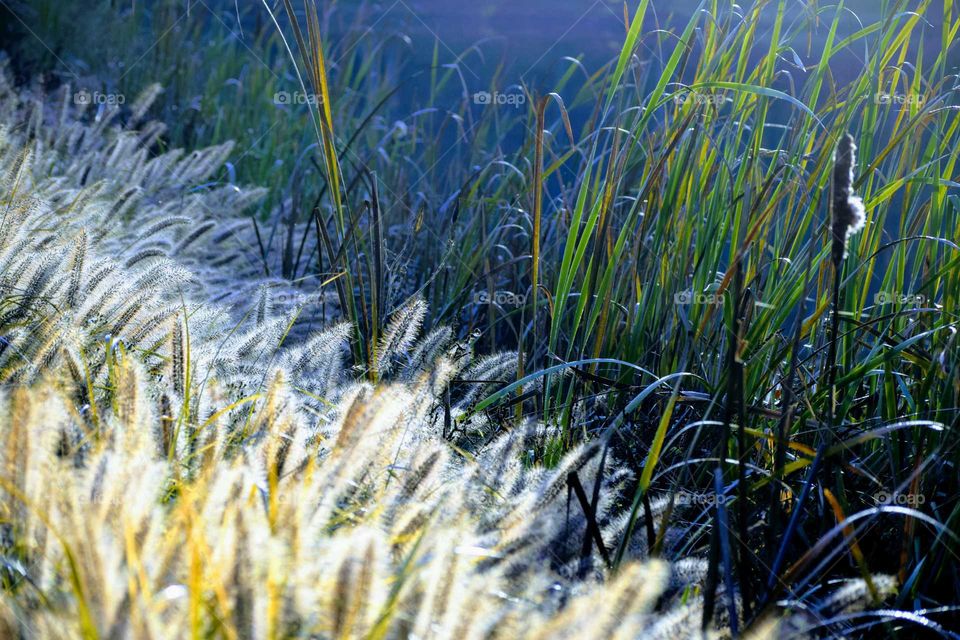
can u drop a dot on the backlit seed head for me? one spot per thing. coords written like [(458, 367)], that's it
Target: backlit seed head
[(848, 215)]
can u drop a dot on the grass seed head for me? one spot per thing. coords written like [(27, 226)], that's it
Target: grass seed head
[(848, 213)]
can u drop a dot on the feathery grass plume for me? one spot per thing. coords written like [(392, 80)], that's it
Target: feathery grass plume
[(427, 351), (145, 254), (847, 213), (399, 336), (493, 370), (855, 594), (628, 600), (316, 362), (177, 357), (193, 235), (76, 269), (143, 102), (161, 225), (263, 302)]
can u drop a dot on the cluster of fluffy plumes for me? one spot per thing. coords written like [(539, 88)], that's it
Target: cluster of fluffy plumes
[(92, 180), (366, 526), (170, 470)]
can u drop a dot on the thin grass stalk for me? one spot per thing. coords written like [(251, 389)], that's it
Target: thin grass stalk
[(538, 179), (786, 415), (828, 436), (537, 215), (592, 530), (795, 518), (722, 523), (734, 409), (713, 575), (310, 46), (377, 297), (851, 540)]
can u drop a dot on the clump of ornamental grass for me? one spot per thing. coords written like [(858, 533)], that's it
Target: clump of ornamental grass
[(126, 234), (141, 301), (365, 526), (172, 470)]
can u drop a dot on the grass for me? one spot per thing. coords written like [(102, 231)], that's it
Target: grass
[(663, 226)]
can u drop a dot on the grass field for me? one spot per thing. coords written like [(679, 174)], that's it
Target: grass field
[(299, 338)]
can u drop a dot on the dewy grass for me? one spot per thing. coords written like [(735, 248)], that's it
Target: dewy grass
[(358, 402)]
